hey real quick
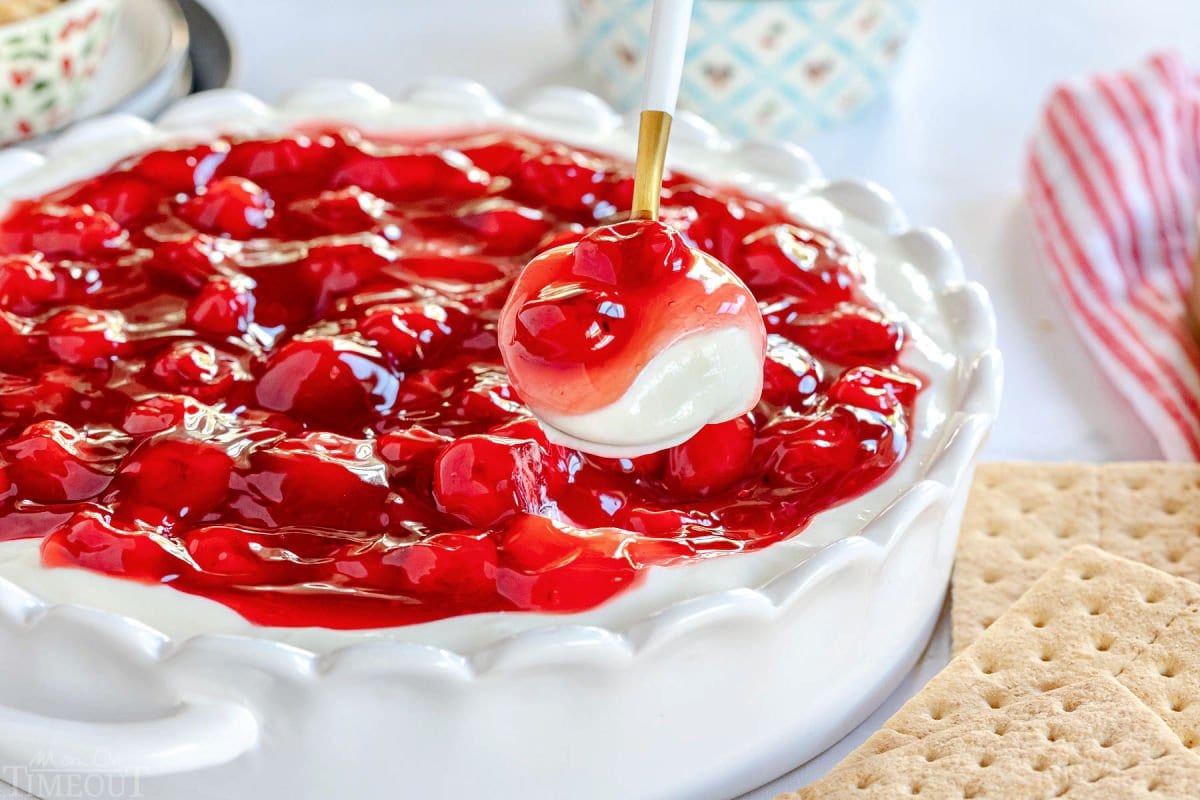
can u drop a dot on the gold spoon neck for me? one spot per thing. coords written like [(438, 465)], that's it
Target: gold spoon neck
[(654, 128)]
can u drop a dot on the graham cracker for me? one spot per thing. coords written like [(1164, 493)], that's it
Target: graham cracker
[(1021, 517), (1166, 677), (1092, 733), (1091, 616)]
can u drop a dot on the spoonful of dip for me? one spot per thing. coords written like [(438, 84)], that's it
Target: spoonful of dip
[(629, 341)]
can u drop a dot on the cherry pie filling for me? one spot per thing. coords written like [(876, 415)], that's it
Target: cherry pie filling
[(266, 372)]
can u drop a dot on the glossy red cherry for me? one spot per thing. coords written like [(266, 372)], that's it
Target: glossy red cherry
[(186, 478), (317, 480), (411, 334), (229, 554), (162, 412), (190, 262), (60, 231), (230, 206), (408, 177), (87, 338), (181, 170), (461, 565), (53, 462), (717, 225), (497, 155), (27, 283), (348, 210), (806, 264), (411, 450), (830, 454), (17, 345), (327, 381), (791, 376), (451, 269), (224, 307), (90, 539), (570, 322), (551, 568), (571, 184), (711, 461), (848, 334), (123, 196), (73, 395), (486, 479), (335, 269), (288, 156), (875, 390), (505, 229), (197, 369), (486, 400)]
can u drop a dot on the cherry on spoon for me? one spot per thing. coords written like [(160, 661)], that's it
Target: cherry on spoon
[(629, 341)]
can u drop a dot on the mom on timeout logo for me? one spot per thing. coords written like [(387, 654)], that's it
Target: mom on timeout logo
[(51, 776)]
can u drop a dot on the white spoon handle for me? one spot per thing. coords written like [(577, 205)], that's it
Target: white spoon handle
[(664, 58)]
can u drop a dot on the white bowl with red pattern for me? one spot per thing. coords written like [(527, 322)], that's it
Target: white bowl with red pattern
[(704, 691), (48, 61)]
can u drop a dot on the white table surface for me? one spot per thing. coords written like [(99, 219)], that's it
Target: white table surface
[(950, 146)]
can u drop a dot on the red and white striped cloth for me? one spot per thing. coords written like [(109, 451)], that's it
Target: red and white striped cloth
[(1114, 183)]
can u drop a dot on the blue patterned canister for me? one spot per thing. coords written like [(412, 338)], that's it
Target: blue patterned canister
[(773, 68)]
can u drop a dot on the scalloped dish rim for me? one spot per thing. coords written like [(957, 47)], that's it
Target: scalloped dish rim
[(968, 420)]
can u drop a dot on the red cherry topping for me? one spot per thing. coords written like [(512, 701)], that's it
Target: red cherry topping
[(89, 539), (225, 306), (505, 229), (87, 338), (182, 170), (348, 210), (327, 381), (485, 479), (197, 369), (875, 390), (416, 333), (268, 372), (712, 460), (291, 156), (317, 480), (183, 477), (790, 375), (162, 412), (234, 206), (406, 177), (808, 265), (569, 569), (847, 334), (123, 196), (60, 230), (52, 462), (27, 282)]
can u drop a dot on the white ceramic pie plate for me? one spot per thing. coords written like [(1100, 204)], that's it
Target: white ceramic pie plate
[(707, 698)]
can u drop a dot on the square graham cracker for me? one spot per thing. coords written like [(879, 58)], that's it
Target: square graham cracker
[(1021, 517), (1094, 734), (1092, 617)]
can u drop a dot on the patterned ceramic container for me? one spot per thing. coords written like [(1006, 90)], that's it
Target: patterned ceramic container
[(773, 68), (47, 62)]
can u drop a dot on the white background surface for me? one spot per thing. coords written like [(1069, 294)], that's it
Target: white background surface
[(950, 146)]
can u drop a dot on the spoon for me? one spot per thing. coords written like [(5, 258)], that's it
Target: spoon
[(630, 341), (660, 91)]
